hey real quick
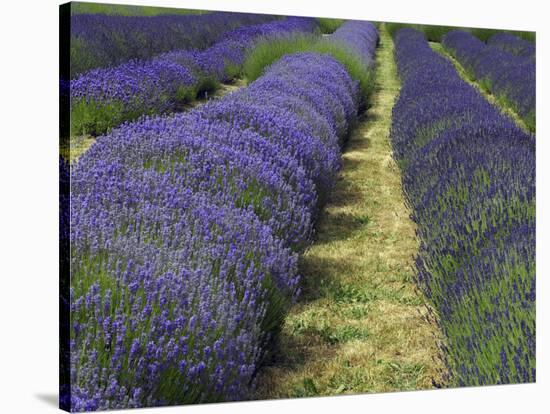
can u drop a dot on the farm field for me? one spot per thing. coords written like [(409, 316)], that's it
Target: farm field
[(257, 207)]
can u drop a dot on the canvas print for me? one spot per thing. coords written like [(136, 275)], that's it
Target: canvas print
[(260, 206)]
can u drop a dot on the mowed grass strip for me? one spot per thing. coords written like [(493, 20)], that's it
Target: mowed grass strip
[(504, 106), (361, 325)]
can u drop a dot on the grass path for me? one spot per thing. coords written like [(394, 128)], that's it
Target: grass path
[(78, 145), (361, 324), (502, 106)]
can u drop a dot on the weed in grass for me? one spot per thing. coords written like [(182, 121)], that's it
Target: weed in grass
[(404, 375), (316, 325), (351, 294), (362, 220), (355, 311), (348, 333)]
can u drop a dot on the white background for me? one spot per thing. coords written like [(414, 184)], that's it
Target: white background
[(29, 220)]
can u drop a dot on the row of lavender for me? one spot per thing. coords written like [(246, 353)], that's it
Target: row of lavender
[(103, 98), (352, 35), (99, 40), (469, 177), (185, 231), (513, 44), (509, 76)]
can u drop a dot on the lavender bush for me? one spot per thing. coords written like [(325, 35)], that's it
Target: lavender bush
[(99, 40), (104, 98), (511, 78), (361, 37), (513, 44), (349, 45), (469, 177), (185, 231)]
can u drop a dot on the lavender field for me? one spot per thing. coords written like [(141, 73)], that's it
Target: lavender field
[(257, 206)]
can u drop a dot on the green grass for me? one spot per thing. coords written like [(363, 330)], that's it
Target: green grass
[(328, 26), (72, 148), (127, 10), (269, 51)]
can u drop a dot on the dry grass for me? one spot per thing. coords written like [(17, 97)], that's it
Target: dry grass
[(506, 109), (75, 147), (361, 325)]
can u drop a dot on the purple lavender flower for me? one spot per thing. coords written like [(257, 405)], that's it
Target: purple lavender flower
[(185, 231), (509, 76), (99, 40), (469, 176)]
